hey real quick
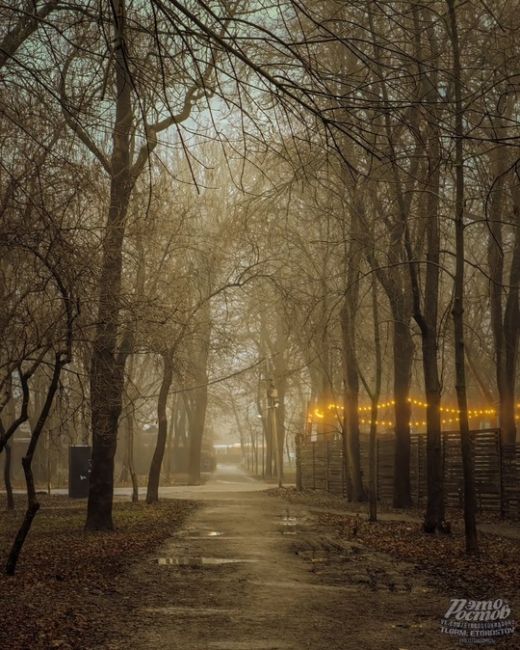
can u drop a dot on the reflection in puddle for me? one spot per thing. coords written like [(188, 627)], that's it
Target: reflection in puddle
[(290, 524), (322, 555), (194, 562), (192, 612), (315, 556), (192, 534), (289, 521), (250, 644)]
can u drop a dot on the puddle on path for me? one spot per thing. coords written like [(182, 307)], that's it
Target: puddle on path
[(198, 561), (193, 533), (291, 524), (192, 612), (321, 556), (291, 586), (249, 645)]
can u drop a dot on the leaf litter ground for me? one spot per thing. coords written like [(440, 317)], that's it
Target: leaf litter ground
[(54, 599)]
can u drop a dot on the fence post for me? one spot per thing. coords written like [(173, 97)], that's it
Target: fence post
[(500, 456), (444, 438), (419, 439), (377, 468), (343, 477)]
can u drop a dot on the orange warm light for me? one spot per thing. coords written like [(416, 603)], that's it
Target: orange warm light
[(321, 413)]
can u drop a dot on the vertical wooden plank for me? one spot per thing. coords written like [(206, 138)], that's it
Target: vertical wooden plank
[(343, 477), (419, 439), (377, 465), (498, 443)]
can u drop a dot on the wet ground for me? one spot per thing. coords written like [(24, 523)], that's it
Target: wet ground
[(248, 572)]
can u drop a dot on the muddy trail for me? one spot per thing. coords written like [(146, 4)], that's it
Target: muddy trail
[(249, 572)]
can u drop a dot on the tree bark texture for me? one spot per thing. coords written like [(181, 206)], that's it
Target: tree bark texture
[(32, 502), (470, 504), (7, 478), (107, 371), (152, 494)]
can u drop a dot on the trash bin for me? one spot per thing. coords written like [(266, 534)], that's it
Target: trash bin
[(79, 471)]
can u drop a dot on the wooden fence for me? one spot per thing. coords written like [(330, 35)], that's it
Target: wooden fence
[(497, 469)]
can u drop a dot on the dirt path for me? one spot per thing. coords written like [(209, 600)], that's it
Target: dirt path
[(248, 573)]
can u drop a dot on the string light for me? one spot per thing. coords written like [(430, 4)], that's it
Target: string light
[(319, 413)]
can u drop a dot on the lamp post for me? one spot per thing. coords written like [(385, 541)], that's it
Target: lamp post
[(272, 404)]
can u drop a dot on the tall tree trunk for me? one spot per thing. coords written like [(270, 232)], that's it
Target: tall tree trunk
[(198, 398), (240, 430), (269, 456), (262, 399), (180, 439), (434, 517), (396, 285), (169, 440), (505, 322), (276, 341), (351, 403), (196, 420), (374, 399), (348, 321), (129, 397), (152, 494), (107, 370), (265, 433), (511, 339), (130, 435), (403, 360), (507, 342), (458, 298), (426, 314), (280, 421)]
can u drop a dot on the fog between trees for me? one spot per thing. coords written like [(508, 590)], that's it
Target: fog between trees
[(203, 202)]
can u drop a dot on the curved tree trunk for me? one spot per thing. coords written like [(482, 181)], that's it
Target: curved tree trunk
[(152, 494), (7, 458), (7, 478), (32, 502)]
